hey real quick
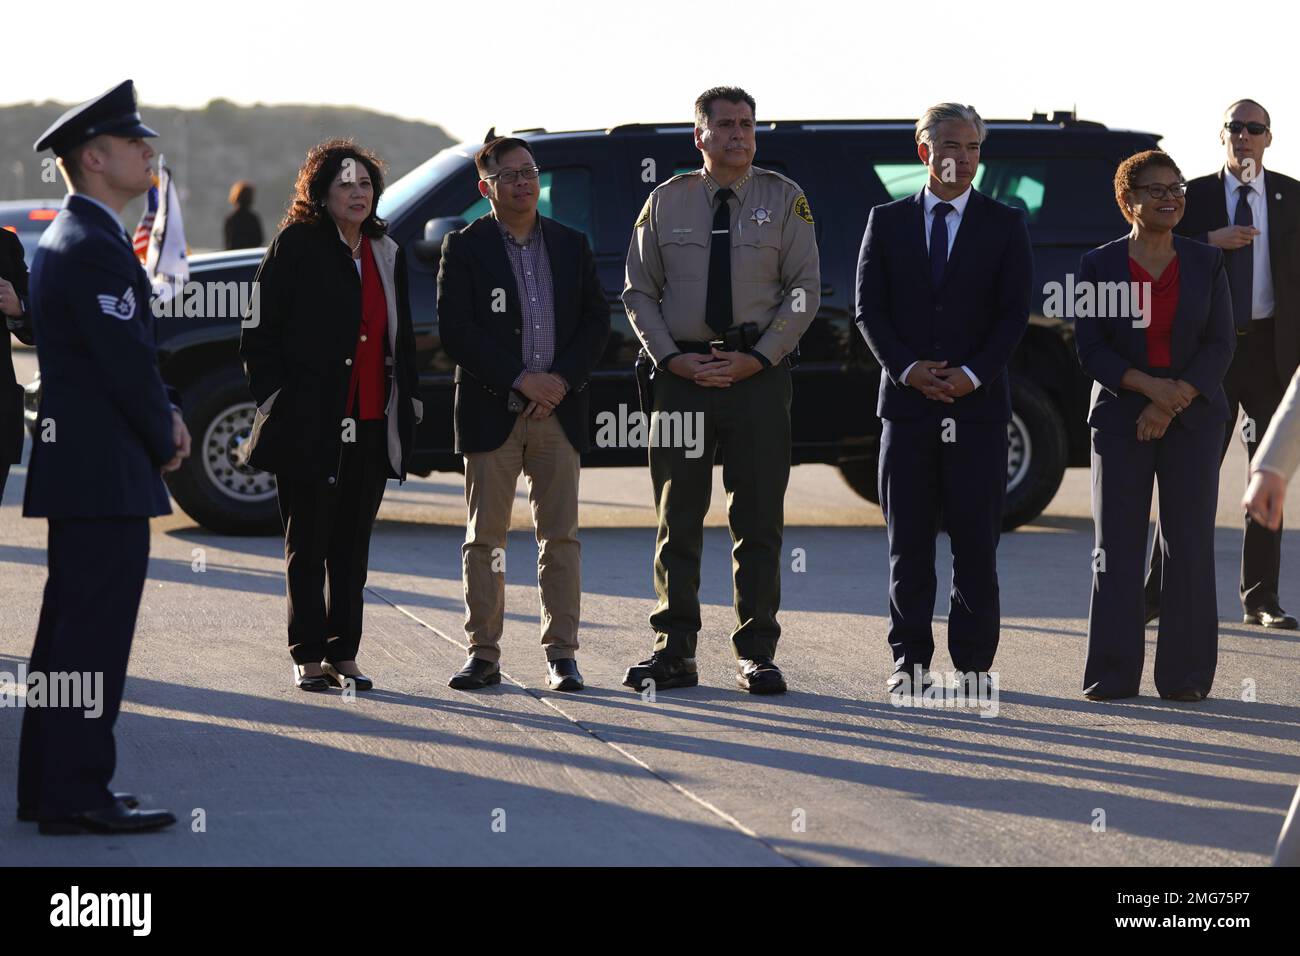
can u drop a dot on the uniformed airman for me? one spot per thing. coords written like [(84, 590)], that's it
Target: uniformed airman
[(722, 280), (108, 430)]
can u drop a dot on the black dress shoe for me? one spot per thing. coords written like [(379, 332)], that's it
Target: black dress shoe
[(563, 674), (1185, 696), (665, 670), (113, 819), (476, 674), (760, 675), (303, 682), (900, 682), (1097, 693), (1152, 612), (337, 678), (1270, 615), (30, 815)]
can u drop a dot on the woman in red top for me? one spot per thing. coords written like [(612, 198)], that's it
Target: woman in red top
[(1157, 341), (330, 357)]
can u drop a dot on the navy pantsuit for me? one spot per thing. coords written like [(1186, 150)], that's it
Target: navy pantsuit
[(939, 459), (1184, 463)]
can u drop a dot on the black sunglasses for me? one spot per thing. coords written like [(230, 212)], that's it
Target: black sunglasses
[(1254, 129)]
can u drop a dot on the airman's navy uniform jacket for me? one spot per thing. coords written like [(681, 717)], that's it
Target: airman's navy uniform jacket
[(105, 419)]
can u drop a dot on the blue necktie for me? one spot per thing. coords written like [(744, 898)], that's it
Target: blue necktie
[(1241, 265), (939, 243)]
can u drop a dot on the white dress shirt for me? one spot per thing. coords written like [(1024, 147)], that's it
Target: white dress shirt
[(1261, 292), (953, 220)]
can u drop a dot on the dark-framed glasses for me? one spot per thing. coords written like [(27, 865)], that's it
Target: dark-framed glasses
[(1161, 191), (1254, 129), (508, 176)]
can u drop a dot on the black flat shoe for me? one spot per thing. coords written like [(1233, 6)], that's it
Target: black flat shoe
[(1096, 693), (114, 819), (303, 682), (31, 815), (664, 671), (563, 675), (900, 682), (475, 675), (1152, 612), (760, 675), (337, 678), (1270, 615)]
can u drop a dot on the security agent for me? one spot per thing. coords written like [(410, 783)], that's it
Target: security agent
[(722, 280), (108, 432)]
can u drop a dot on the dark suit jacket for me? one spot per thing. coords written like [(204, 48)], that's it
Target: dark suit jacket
[(487, 346), (14, 268), (1201, 350), (298, 356), (1207, 210), (101, 390), (976, 318)]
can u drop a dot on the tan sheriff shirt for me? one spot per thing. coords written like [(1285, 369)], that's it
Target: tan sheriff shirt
[(775, 273)]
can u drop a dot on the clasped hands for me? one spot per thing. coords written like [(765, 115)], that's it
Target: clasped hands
[(544, 391), (718, 369), (939, 383), (1169, 397)]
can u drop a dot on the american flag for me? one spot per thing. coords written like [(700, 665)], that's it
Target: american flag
[(140, 241)]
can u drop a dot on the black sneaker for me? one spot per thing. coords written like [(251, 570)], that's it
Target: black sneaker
[(664, 670)]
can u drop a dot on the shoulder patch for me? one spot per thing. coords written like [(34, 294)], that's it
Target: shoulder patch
[(801, 209), (642, 219)]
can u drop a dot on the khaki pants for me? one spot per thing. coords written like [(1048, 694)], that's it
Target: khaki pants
[(542, 451)]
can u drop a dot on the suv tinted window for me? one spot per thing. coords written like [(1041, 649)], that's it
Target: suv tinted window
[(565, 196), (1062, 191)]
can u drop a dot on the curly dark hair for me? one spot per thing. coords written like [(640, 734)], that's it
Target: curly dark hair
[(1134, 166), (311, 190)]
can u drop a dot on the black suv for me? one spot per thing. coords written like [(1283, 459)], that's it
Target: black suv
[(1057, 169)]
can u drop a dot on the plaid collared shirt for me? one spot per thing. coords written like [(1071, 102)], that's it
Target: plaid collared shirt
[(532, 269)]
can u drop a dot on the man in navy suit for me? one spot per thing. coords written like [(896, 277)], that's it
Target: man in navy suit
[(944, 285), (107, 432), (1253, 215)]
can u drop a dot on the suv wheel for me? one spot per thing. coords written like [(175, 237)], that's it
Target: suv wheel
[(211, 486), (1036, 455)]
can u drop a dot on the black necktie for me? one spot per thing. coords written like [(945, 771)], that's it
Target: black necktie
[(717, 306), (939, 243), (1241, 265)]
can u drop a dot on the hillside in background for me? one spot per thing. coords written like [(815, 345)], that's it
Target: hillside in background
[(208, 149)]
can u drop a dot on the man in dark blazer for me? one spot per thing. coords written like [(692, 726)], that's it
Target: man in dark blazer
[(521, 310), (13, 306), (944, 287), (1253, 215), (107, 432)]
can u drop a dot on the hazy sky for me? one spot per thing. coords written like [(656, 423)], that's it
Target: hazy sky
[(1164, 67)]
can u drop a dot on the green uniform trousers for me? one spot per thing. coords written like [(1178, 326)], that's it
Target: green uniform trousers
[(747, 425)]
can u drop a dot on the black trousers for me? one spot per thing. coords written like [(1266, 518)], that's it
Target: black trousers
[(1251, 383), (1185, 463), (97, 568), (327, 538), (932, 470)]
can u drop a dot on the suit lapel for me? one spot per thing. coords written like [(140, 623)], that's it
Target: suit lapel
[(1220, 215), (1275, 197), (965, 233), (557, 252), (916, 228), (492, 253)]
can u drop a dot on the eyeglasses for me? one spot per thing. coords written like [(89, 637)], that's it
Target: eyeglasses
[(508, 176), (1254, 129), (1161, 191)]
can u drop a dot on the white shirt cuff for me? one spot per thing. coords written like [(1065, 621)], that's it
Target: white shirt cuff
[(971, 375), (906, 372)]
